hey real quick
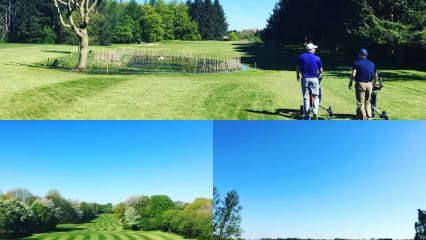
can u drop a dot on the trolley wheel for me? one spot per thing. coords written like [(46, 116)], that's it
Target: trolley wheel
[(385, 116), (330, 112)]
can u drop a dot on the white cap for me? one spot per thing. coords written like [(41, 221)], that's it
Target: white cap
[(311, 46)]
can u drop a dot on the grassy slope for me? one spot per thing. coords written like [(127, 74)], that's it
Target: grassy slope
[(269, 92), (103, 228)]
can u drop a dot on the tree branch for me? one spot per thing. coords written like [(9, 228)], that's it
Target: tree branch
[(62, 2), (82, 7), (60, 14), (73, 26), (93, 6)]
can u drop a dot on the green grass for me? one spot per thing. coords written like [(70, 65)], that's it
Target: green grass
[(269, 91), (103, 228)]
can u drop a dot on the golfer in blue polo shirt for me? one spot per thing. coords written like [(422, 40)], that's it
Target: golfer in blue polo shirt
[(310, 66), (365, 75)]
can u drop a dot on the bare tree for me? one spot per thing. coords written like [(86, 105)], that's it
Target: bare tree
[(6, 12), (75, 14), (21, 194)]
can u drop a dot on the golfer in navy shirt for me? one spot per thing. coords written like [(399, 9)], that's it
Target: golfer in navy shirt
[(365, 75), (310, 66)]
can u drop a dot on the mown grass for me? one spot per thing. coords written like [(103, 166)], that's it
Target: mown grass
[(103, 228), (268, 90)]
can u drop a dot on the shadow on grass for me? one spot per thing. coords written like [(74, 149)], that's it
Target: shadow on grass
[(29, 235), (277, 56), (401, 75), (67, 229), (268, 56), (344, 116), (15, 236), (386, 75), (285, 113), (56, 51), (295, 114)]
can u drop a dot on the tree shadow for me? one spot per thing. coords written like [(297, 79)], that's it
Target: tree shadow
[(24, 236), (277, 56), (57, 51), (268, 56), (401, 75), (16, 236), (67, 229), (386, 75)]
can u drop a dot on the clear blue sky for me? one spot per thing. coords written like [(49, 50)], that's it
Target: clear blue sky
[(314, 180), (243, 14), (108, 161)]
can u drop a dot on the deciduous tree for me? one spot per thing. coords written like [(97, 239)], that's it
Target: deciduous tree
[(132, 219), (76, 14), (151, 24)]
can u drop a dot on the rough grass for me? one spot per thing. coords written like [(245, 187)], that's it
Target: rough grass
[(102, 228), (269, 91)]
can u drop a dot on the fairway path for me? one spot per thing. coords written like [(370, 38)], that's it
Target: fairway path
[(105, 227)]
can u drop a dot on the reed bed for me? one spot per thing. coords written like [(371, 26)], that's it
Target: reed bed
[(141, 60)]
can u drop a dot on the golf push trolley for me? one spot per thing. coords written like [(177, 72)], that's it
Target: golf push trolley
[(375, 110)]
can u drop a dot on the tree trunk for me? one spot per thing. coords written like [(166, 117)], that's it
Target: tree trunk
[(84, 50)]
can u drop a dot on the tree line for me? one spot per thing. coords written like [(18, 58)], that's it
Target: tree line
[(23, 213), (420, 226), (37, 21), (390, 28), (192, 220)]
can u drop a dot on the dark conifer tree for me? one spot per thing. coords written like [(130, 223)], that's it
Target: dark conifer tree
[(32, 22), (210, 17)]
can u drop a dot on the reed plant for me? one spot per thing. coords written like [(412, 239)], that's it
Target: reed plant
[(140, 60)]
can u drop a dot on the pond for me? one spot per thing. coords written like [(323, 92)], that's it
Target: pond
[(137, 61)]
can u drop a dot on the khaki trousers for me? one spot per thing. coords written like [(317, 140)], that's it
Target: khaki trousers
[(363, 97)]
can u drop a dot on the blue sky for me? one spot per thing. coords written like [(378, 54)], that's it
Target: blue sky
[(108, 161), (314, 180), (242, 14)]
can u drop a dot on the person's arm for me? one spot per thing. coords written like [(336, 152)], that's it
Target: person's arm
[(376, 76), (298, 73), (351, 82), (320, 69)]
